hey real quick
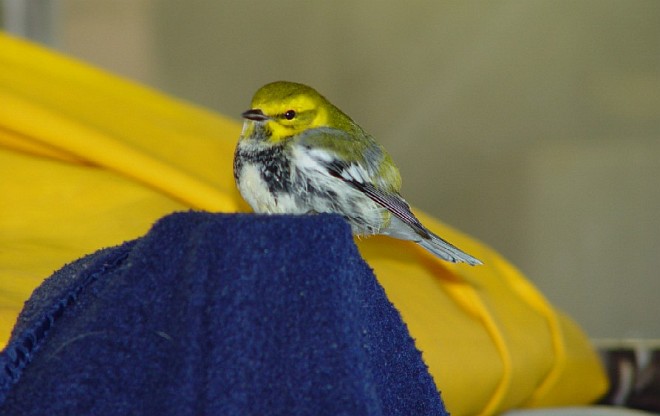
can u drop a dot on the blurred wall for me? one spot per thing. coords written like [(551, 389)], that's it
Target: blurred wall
[(532, 125)]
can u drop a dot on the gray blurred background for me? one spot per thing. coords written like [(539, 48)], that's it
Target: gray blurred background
[(531, 125)]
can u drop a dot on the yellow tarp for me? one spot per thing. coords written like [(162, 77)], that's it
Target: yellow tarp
[(88, 160)]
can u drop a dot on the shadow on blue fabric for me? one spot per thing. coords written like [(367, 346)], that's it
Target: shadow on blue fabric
[(218, 314)]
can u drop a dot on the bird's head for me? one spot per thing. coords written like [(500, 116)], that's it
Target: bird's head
[(284, 109)]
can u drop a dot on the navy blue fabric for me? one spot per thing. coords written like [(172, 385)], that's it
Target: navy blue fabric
[(221, 315)]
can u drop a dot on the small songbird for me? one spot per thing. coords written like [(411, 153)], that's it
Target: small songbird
[(300, 154)]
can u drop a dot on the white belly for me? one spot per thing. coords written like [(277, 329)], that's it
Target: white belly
[(255, 191), (309, 181)]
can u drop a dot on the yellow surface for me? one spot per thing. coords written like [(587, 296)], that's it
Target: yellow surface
[(88, 160)]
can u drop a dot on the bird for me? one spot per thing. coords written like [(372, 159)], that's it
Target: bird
[(300, 154)]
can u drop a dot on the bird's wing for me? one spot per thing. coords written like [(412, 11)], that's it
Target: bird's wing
[(358, 177), (365, 174)]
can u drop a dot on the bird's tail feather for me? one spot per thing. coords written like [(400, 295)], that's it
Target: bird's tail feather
[(447, 251), (431, 242)]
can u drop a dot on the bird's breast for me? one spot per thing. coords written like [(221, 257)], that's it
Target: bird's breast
[(263, 177)]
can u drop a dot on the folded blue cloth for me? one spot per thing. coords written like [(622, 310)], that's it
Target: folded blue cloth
[(221, 315)]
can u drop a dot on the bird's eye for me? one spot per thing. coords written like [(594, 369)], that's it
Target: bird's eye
[(289, 115)]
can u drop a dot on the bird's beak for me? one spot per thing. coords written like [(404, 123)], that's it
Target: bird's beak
[(255, 114)]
